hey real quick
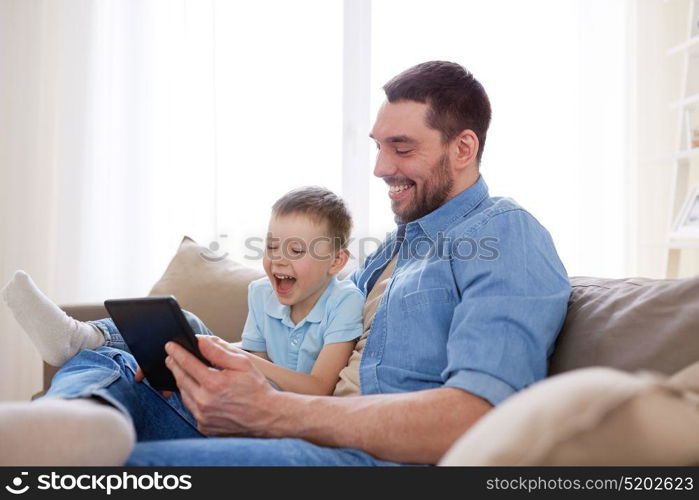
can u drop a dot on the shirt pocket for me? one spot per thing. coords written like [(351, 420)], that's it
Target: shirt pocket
[(424, 330), (427, 299)]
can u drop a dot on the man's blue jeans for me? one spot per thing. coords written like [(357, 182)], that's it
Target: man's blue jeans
[(166, 430)]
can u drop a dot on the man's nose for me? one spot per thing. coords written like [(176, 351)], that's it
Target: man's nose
[(383, 167)]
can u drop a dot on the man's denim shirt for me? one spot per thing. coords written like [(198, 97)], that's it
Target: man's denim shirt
[(476, 300)]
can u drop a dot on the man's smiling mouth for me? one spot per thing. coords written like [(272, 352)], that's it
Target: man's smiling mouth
[(399, 191)]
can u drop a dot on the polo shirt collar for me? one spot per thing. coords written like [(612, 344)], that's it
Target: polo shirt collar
[(280, 311), (456, 208)]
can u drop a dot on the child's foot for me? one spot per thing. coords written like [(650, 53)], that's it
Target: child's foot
[(57, 336), (53, 432)]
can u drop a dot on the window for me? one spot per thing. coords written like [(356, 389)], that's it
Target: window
[(278, 92), (555, 71)]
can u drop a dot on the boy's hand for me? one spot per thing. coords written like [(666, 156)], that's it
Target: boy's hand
[(139, 375), (139, 378)]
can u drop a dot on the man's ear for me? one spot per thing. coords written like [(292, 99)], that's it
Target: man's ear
[(466, 146), (339, 262)]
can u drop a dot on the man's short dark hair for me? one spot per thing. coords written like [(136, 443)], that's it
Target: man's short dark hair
[(456, 100), (322, 205)]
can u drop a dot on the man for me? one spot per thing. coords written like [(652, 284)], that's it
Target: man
[(464, 302)]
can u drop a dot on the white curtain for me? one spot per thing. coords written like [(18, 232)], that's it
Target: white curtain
[(106, 150), (126, 124)]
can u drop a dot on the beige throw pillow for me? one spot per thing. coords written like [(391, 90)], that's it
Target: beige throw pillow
[(216, 291), (592, 416)]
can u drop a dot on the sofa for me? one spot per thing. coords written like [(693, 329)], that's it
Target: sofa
[(623, 384)]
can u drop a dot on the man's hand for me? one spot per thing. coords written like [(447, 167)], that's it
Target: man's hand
[(232, 399)]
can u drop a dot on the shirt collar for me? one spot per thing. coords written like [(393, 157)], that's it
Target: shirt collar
[(456, 208), (280, 311)]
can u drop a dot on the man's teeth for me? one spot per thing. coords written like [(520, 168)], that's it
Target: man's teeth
[(398, 189)]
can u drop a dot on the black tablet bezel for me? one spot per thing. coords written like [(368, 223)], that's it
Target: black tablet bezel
[(159, 377)]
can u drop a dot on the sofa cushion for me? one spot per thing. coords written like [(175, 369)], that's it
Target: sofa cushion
[(592, 416), (630, 324), (216, 291)]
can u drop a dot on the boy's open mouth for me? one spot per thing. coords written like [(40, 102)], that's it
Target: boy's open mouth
[(284, 283)]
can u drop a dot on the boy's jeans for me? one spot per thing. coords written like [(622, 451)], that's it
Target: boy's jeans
[(166, 430)]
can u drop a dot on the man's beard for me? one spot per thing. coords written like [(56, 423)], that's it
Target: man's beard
[(433, 194)]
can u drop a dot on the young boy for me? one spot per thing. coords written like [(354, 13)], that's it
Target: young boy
[(302, 321)]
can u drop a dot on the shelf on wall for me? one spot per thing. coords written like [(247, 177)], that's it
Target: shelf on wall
[(688, 101), (683, 155), (682, 158), (687, 243), (692, 42)]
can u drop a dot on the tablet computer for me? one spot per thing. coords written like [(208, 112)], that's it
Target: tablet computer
[(147, 324)]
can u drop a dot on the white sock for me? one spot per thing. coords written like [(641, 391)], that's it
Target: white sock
[(57, 336), (54, 432)]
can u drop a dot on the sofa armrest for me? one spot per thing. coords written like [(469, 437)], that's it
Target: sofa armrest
[(85, 312)]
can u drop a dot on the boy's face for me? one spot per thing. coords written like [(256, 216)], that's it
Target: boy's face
[(299, 259)]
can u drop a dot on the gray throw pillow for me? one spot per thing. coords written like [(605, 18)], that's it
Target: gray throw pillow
[(629, 324)]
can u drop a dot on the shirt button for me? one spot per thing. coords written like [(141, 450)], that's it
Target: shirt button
[(295, 342)]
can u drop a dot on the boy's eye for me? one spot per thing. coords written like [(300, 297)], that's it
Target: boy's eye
[(297, 251), (403, 151), (270, 247)]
